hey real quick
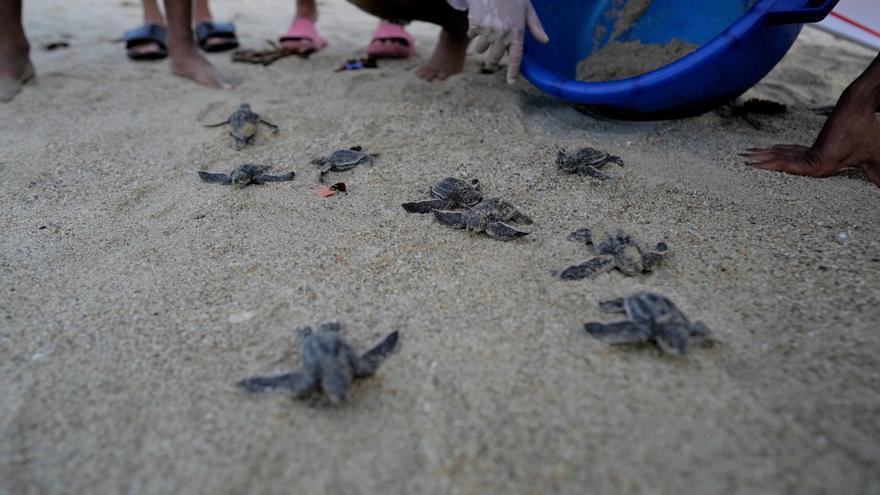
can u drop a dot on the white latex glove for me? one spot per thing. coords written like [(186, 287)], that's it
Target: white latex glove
[(499, 26)]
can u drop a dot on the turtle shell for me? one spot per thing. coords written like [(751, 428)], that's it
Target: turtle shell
[(345, 159)]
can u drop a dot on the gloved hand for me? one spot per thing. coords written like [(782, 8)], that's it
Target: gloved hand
[(499, 26)]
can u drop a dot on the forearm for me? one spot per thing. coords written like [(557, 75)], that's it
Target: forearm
[(868, 84)]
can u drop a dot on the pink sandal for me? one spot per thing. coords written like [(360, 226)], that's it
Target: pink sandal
[(391, 41), (302, 37)]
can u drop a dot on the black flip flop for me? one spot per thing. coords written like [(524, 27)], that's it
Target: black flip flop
[(224, 31), (148, 33)]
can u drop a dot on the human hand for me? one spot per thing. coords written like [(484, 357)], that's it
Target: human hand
[(850, 138), (499, 26)]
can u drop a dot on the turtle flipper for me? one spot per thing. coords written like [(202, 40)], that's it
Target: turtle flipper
[(454, 219), (521, 218), (269, 125), (673, 339), (612, 306), (504, 232), (333, 326), (262, 178), (322, 164), (219, 124), (588, 269), (619, 332), (344, 167), (427, 205), (370, 361), (299, 383), (652, 259), (584, 235), (215, 178), (699, 331), (591, 171)]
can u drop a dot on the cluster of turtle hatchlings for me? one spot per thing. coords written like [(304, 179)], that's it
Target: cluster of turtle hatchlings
[(244, 124), (328, 362), (460, 204)]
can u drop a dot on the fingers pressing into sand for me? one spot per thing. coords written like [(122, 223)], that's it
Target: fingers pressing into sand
[(798, 162), (850, 137)]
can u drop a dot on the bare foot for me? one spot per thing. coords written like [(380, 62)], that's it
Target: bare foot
[(15, 70), (448, 58), (147, 48), (850, 138), (189, 63)]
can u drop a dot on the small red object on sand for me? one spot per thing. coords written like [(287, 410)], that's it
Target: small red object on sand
[(326, 191)]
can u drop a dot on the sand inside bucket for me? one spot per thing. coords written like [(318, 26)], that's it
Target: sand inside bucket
[(619, 60)]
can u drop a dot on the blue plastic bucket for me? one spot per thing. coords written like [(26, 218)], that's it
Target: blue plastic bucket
[(739, 45)]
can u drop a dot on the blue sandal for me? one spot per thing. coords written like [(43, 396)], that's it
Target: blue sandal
[(223, 32), (148, 33)]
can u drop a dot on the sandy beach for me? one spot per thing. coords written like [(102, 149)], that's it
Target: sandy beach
[(133, 296)]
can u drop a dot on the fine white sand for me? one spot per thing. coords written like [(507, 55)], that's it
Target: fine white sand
[(134, 296)]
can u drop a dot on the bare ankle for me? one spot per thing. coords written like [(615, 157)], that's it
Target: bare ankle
[(14, 47), (307, 12), (182, 47)]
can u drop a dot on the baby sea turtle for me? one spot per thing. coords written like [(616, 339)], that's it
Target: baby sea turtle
[(246, 174), (586, 162), (751, 107), (328, 363), (449, 193), (243, 124), (341, 160), (649, 317), (487, 216), (615, 249)]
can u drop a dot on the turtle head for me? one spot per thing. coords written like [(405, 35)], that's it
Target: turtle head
[(471, 197), (239, 178), (336, 384), (476, 222), (245, 107), (303, 333), (564, 161)]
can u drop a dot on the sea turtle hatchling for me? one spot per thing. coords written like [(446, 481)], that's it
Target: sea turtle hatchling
[(243, 125), (748, 109), (246, 174), (615, 249), (586, 162), (341, 160), (449, 193), (488, 216), (327, 362), (649, 317)]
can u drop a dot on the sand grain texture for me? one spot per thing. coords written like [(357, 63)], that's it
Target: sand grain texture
[(620, 60), (134, 296)]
